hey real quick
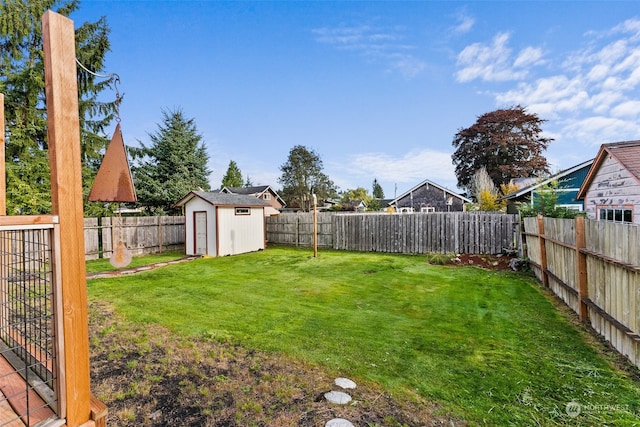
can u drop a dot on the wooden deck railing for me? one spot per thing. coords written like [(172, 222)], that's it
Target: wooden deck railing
[(30, 345)]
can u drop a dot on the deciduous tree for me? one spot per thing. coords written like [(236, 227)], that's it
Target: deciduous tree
[(174, 164), (507, 143), (302, 176)]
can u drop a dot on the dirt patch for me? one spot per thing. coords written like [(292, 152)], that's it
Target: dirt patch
[(149, 377), (489, 262)]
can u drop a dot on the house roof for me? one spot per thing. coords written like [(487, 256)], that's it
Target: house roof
[(627, 153), (433, 184), (260, 189), (529, 188), (248, 190), (217, 198)]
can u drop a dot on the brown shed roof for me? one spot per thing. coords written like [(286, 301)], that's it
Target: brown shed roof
[(627, 153)]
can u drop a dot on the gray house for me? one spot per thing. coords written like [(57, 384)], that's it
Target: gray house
[(429, 197)]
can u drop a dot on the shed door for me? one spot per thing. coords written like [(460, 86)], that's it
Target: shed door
[(200, 232)]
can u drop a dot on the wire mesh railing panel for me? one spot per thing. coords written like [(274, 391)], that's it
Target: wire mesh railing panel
[(27, 341)]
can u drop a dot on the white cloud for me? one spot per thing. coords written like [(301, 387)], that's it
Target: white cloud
[(630, 109), (493, 63), (548, 95), (407, 65), (596, 130), (464, 23), (384, 46), (593, 99), (528, 57), (405, 170)]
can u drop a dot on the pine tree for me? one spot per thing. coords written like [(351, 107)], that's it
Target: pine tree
[(22, 82), (376, 190), (174, 164), (233, 177)]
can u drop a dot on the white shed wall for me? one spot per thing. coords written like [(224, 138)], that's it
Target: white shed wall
[(198, 205), (240, 233), (613, 186)]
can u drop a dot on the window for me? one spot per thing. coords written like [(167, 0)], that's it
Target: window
[(616, 215), (427, 209), (266, 196), (243, 211)]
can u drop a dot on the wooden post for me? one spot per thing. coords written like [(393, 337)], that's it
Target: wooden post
[(66, 201), (315, 226), (581, 268), (3, 176), (543, 252), (160, 233), (4, 318)]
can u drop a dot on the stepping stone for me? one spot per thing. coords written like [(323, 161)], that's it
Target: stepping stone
[(344, 383), (338, 397), (338, 422)]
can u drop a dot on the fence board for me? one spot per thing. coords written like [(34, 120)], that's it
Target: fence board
[(612, 275), (91, 239), (416, 233), (142, 235)]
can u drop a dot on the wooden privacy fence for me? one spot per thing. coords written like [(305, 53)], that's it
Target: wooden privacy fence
[(459, 232), (142, 235), (593, 266), (297, 229)]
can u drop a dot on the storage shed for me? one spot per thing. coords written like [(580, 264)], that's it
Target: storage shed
[(611, 189), (219, 224)]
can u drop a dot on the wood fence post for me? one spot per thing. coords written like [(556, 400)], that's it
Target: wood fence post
[(543, 252), (66, 201), (160, 233), (581, 268), (3, 176)]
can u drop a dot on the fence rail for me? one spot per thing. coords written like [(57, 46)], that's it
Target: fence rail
[(297, 229), (593, 266), (477, 233), (142, 235)]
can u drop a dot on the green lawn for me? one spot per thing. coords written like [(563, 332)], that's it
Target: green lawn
[(488, 346)]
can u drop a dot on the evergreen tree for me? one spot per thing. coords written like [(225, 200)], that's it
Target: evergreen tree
[(233, 177), (302, 176), (174, 164), (377, 191), (22, 82)]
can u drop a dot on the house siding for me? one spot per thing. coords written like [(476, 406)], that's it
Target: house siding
[(613, 186), (273, 200), (430, 196), (198, 205), (240, 233)]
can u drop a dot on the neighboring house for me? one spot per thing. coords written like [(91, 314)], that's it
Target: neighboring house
[(429, 197), (611, 189), (569, 182), (354, 206), (219, 224), (264, 192)]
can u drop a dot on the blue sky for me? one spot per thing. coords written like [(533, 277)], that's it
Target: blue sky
[(377, 89)]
